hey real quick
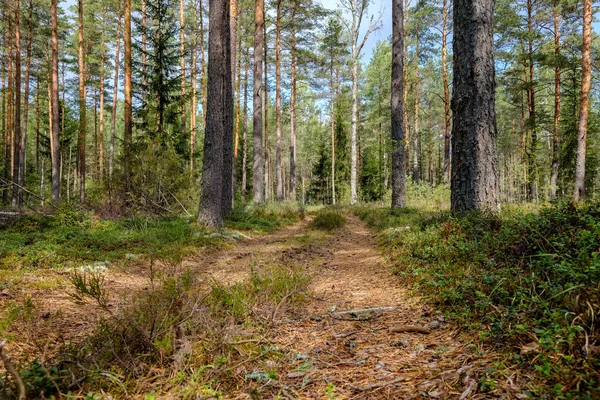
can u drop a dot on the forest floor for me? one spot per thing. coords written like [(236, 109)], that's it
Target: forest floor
[(402, 350)]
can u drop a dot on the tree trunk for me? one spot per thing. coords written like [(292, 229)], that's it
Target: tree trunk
[(194, 100), (278, 169), (227, 184), (8, 150), (556, 132), (354, 120), (203, 67), (236, 110), (144, 52), (128, 131), (16, 199), (182, 68), (219, 103), (405, 95), (474, 161), (292, 190), (532, 183), (54, 140), (584, 102), (258, 163), (245, 132), (82, 105), (332, 112), (416, 155), (101, 136), (266, 95), (111, 150), (447, 118), (398, 175)]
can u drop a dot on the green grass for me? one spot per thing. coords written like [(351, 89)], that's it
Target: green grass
[(71, 238), (513, 279)]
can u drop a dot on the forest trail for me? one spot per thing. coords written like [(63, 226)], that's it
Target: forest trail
[(350, 355)]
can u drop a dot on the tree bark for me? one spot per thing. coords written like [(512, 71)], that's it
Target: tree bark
[(532, 183), (245, 132), (111, 150), (405, 95), (54, 140), (203, 67), (258, 163), (447, 118), (278, 166), (584, 102), (194, 100), (474, 161), (227, 203), (144, 52), (128, 131), (219, 87), (416, 155), (82, 104), (557, 84), (398, 175), (266, 95), (182, 68), (292, 189), (16, 199), (101, 135)]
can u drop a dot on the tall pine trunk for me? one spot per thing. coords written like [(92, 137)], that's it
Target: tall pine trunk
[(82, 104), (182, 68), (220, 104), (194, 94), (474, 161), (16, 199), (532, 183), (416, 155), (266, 118), (101, 134), (278, 166), (113, 122), (245, 130), (54, 140), (447, 118), (258, 163), (557, 84), (397, 94), (292, 190), (128, 129), (584, 102), (227, 196)]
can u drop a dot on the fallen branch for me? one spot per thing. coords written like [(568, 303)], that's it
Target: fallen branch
[(366, 310), (409, 328), (377, 385), (11, 370)]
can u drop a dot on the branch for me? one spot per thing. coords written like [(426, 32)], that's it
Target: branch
[(11, 369)]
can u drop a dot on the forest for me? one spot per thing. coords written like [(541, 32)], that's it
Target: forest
[(299, 199)]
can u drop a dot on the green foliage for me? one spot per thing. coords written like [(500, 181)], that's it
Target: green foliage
[(328, 219), (263, 217), (513, 279)]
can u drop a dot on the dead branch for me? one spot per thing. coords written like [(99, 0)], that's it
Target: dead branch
[(409, 328), (378, 385), (11, 370), (366, 310)]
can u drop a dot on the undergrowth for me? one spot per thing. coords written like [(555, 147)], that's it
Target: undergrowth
[(328, 219), (211, 338), (526, 282)]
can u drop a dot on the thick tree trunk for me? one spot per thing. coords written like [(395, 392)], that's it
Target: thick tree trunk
[(557, 81), (54, 140), (398, 175), (227, 184), (16, 199), (278, 161), (258, 163), (584, 102), (219, 87), (447, 118), (128, 131), (474, 160), (113, 122), (82, 105)]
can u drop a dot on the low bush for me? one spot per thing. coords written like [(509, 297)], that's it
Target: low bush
[(529, 282), (328, 219)]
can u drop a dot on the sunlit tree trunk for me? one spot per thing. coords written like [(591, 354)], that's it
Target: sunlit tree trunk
[(128, 131), (447, 118), (474, 160), (292, 189), (584, 102), (101, 135), (405, 95), (266, 118), (82, 104), (113, 122), (54, 140), (16, 199), (204, 78), (532, 183), (182, 68), (416, 138), (245, 130), (194, 94), (258, 163), (278, 161)]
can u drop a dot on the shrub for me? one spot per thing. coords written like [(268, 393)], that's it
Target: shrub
[(328, 220)]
